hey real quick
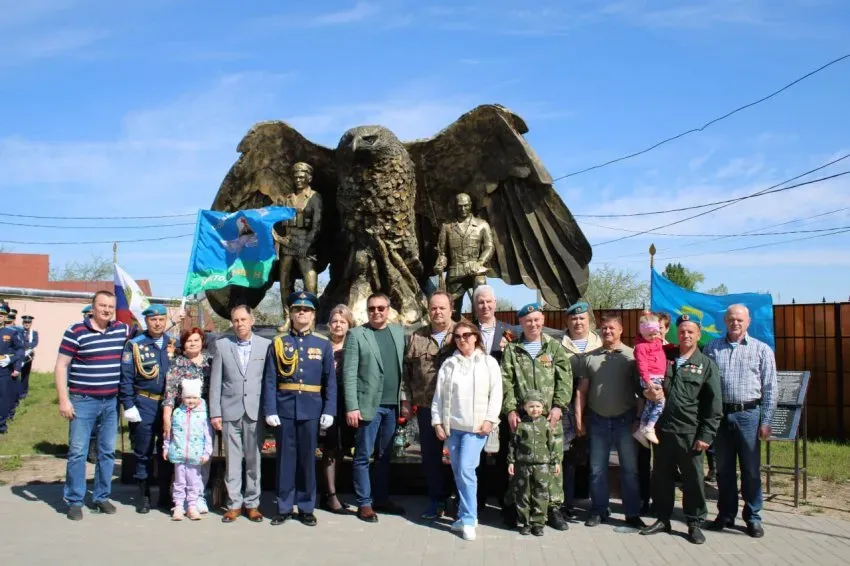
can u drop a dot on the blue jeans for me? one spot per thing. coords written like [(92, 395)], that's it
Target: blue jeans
[(738, 440), (432, 457), (376, 435), (465, 453), (607, 432), (100, 415)]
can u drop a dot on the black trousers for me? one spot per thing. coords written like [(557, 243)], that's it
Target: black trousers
[(676, 451)]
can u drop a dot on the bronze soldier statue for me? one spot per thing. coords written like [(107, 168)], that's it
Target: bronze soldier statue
[(296, 237), (465, 246)]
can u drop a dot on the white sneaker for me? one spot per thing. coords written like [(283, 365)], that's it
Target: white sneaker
[(203, 508), (639, 436), (468, 533), (457, 525), (649, 434)]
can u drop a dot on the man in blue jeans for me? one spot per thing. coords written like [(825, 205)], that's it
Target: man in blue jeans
[(748, 384), (609, 386), (87, 375), (371, 373)]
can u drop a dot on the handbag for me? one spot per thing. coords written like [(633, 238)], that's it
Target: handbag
[(492, 444)]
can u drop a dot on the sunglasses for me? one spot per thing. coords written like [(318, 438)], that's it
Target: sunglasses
[(464, 336), (378, 308), (301, 309)]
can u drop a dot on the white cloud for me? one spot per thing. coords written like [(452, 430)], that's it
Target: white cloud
[(359, 12)]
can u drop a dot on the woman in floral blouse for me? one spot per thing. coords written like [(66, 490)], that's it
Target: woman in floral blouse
[(193, 363)]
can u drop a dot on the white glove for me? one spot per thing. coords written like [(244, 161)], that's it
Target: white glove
[(273, 420), (132, 415), (5, 361), (326, 421), (28, 353)]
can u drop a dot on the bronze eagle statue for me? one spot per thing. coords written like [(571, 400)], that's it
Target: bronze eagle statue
[(385, 200)]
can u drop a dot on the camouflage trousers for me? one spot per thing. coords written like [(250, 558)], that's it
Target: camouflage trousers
[(530, 486), (556, 485)]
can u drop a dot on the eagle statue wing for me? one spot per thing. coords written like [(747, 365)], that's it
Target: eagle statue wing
[(261, 177), (484, 154)]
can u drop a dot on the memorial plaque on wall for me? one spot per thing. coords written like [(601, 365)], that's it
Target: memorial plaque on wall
[(790, 397)]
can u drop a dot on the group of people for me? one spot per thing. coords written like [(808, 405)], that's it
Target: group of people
[(17, 349), (471, 384)]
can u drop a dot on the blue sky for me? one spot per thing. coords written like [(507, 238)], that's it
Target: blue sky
[(111, 111)]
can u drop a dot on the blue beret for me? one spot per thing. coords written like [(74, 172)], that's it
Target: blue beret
[(155, 310), (86, 309), (578, 308), (302, 299), (687, 318), (4, 308), (27, 318), (528, 309)]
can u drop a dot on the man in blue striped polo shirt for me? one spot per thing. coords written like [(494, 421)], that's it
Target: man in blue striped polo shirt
[(88, 371)]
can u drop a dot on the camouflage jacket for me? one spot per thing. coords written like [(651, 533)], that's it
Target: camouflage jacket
[(534, 442), (422, 359), (550, 373)]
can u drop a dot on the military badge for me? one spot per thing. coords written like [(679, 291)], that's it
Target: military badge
[(7, 338), (546, 360), (127, 357), (314, 353)]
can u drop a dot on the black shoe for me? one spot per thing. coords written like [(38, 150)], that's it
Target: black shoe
[(307, 519), (568, 512), (594, 521), (537, 530), (711, 477), (509, 517), (635, 522), (557, 521), (144, 504), (389, 508), (281, 519), (695, 535), (106, 507), (719, 523), (658, 526), (755, 530), (525, 530), (75, 513)]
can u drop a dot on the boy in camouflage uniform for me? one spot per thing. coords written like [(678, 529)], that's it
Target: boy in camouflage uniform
[(534, 460)]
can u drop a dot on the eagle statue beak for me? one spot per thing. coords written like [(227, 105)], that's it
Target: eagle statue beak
[(354, 144)]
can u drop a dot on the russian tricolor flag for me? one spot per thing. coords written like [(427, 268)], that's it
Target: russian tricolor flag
[(130, 301)]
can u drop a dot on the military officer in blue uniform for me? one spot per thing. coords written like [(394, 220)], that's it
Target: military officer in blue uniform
[(15, 392), (30, 339), (299, 398), (11, 362), (144, 365)]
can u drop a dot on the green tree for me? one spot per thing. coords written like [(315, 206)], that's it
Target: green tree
[(504, 305), (96, 268), (721, 289), (611, 288), (682, 276)]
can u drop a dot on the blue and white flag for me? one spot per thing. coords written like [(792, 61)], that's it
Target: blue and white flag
[(233, 248), (710, 310)]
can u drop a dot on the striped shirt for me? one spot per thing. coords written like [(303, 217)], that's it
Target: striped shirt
[(581, 344), (533, 348), (747, 372), (95, 368), (488, 333)]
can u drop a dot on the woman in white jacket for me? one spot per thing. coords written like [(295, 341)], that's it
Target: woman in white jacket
[(465, 409)]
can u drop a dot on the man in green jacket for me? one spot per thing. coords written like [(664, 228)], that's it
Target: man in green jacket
[(685, 430), (537, 362), (371, 373)]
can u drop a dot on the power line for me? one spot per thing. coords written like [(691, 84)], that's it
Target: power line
[(707, 124), (769, 190), (707, 204), (72, 243), (55, 226), (101, 217), (718, 236)]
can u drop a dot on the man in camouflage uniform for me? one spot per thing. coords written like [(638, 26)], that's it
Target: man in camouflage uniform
[(537, 362), (464, 246), (296, 237), (534, 462)]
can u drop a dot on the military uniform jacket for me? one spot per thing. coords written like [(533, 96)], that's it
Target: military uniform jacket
[(11, 345), (30, 343), (535, 442), (313, 368), (144, 367), (694, 405), (549, 373)]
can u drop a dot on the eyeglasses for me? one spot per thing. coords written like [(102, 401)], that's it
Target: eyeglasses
[(464, 336), (377, 308), (301, 309)]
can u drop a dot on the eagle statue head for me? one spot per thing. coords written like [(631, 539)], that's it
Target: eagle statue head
[(368, 144)]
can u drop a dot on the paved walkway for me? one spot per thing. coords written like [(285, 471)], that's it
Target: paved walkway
[(33, 530)]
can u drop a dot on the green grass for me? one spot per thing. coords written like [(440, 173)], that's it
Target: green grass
[(827, 460), (38, 428), (10, 464)]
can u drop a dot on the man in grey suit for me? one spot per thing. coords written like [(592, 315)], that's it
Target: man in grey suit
[(371, 371), (235, 386)]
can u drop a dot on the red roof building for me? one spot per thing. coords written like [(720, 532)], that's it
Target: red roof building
[(32, 271)]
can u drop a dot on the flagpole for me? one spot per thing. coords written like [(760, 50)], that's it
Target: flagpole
[(651, 269), (114, 253)]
